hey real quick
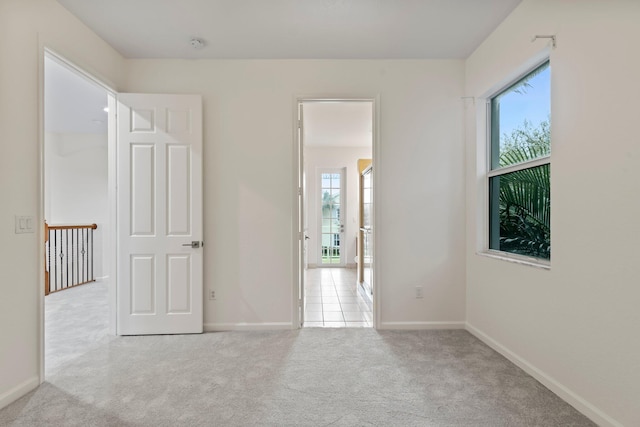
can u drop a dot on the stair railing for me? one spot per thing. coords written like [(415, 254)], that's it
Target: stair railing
[(68, 256)]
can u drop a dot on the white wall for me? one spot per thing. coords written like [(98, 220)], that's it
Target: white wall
[(575, 326), (26, 26), (248, 154), (76, 186), (338, 158)]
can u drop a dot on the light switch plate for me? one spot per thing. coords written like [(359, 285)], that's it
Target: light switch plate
[(24, 224)]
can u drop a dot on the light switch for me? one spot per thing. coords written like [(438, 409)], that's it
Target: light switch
[(24, 224)]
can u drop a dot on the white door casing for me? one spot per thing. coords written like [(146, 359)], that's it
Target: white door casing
[(301, 199), (298, 177), (159, 185)]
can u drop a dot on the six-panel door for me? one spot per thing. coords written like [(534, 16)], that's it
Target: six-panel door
[(160, 287)]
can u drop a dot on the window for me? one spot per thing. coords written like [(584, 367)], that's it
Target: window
[(520, 163)]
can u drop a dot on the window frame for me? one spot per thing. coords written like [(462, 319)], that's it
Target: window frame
[(490, 172)]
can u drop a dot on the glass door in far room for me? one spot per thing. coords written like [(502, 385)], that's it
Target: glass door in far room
[(331, 250)]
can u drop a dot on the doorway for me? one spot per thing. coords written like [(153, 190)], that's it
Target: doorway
[(334, 137), (76, 207)]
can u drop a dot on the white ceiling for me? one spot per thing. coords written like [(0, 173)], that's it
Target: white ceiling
[(338, 124), (292, 29), (72, 104)]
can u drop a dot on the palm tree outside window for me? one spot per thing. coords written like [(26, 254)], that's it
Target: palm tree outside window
[(520, 167)]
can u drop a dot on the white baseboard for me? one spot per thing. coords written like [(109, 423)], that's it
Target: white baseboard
[(101, 278), (421, 325), (18, 391), (595, 414), (273, 326)]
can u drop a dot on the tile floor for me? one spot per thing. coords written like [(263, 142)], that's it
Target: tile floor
[(332, 300)]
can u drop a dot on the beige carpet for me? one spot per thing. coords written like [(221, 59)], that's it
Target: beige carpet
[(308, 377)]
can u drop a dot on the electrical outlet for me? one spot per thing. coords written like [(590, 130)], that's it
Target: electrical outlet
[(419, 293), (212, 294)]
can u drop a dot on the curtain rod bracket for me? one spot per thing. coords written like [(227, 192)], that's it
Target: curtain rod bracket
[(552, 37)]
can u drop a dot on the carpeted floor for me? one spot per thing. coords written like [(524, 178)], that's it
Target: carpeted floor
[(76, 320), (307, 377)]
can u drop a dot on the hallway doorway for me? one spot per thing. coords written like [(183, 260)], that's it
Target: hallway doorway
[(334, 138), (76, 208)]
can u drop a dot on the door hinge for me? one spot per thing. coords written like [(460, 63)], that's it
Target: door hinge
[(299, 124), (299, 191)]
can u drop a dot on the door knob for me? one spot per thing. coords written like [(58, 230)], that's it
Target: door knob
[(195, 244)]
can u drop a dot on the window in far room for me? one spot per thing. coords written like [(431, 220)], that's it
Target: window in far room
[(520, 166)]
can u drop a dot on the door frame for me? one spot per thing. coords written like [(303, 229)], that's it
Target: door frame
[(343, 213), (298, 157), (45, 51)]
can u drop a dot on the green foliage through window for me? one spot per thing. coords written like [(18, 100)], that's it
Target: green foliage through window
[(519, 197)]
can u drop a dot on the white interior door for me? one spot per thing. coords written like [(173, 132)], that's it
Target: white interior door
[(159, 219)]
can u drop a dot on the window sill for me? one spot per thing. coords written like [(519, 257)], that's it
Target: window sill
[(517, 259)]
